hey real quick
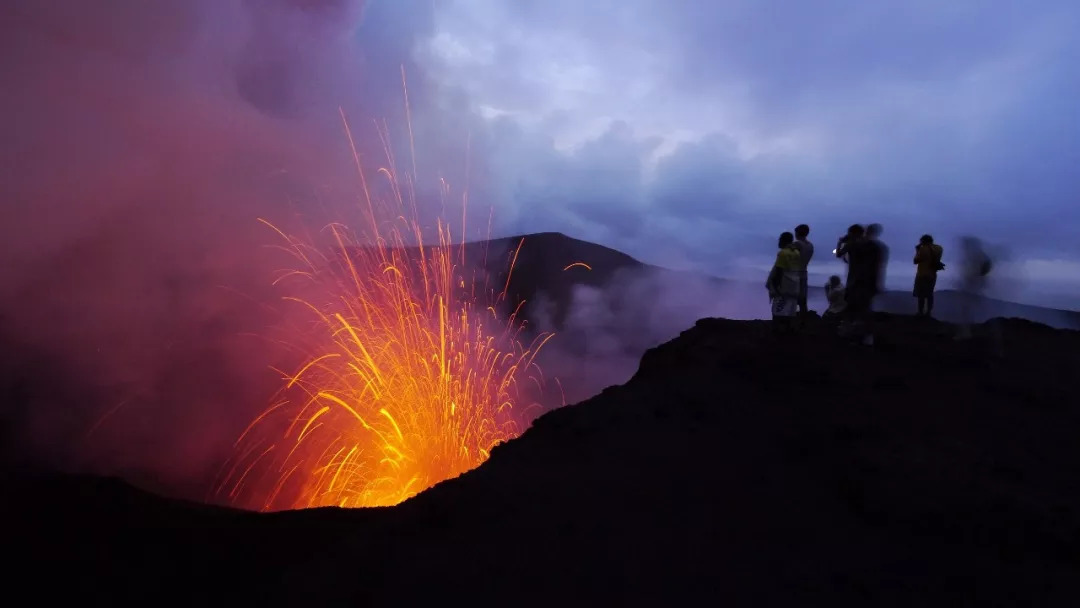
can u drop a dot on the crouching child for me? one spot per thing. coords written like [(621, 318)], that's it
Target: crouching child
[(835, 294)]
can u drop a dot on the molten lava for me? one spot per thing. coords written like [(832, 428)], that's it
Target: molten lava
[(409, 382)]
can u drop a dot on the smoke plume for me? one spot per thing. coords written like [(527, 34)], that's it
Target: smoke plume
[(606, 329), (144, 141)]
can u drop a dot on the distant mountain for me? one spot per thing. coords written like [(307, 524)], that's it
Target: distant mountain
[(543, 257), (948, 307)]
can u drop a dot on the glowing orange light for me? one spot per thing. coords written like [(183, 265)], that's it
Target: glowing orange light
[(581, 264), (408, 383)]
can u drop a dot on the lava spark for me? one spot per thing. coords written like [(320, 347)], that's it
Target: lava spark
[(411, 377)]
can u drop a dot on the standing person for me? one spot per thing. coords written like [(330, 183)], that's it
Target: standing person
[(927, 264), (806, 251), (864, 258), (873, 232), (975, 265), (783, 284)]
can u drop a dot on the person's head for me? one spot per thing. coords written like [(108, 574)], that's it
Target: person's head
[(834, 280), (802, 231), (970, 244), (874, 230), (786, 238), (855, 231), (926, 239)]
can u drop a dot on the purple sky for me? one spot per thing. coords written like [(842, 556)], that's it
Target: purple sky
[(694, 132), (685, 133)]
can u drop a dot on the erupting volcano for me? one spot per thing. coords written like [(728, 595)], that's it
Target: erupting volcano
[(412, 372)]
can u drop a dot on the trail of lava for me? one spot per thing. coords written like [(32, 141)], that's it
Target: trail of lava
[(410, 380)]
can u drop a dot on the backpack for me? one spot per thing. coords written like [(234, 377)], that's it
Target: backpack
[(938, 266)]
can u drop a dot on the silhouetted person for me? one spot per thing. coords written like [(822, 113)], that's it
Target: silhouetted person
[(783, 283), (835, 295), (927, 264), (873, 232), (865, 257), (806, 252), (975, 266)]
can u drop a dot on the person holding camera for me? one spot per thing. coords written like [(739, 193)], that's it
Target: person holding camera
[(927, 265), (865, 258), (975, 267)]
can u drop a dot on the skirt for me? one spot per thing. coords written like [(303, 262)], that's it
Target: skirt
[(784, 306)]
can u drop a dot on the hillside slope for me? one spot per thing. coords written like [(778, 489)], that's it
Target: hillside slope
[(734, 467)]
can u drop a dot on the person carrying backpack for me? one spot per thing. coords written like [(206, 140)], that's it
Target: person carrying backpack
[(928, 263)]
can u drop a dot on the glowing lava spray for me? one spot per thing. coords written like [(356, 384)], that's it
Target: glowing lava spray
[(408, 382)]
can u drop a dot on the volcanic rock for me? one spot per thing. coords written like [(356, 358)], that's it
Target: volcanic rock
[(736, 467)]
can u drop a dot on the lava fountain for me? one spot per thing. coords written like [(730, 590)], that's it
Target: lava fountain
[(412, 373)]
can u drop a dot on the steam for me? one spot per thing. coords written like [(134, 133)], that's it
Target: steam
[(606, 329), (146, 139)]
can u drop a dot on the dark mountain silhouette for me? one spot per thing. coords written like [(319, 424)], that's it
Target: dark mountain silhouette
[(734, 467), (724, 465), (947, 307), (540, 277), (542, 258)]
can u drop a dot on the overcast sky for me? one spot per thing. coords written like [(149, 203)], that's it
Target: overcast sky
[(693, 132), (689, 134)]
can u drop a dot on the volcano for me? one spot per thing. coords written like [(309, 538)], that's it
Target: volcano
[(726, 463), (734, 466)]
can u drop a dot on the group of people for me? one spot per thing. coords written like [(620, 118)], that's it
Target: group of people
[(866, 256)]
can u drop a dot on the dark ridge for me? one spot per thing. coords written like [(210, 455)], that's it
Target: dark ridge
[(735, 467), (539, 269)]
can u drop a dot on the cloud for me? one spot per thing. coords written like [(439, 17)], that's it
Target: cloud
[(751, 116)]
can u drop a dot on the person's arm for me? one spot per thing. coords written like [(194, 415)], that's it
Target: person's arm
[(773, 282), (842, 251), (918, 255)]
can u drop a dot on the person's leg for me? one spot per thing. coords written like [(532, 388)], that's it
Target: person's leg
[(921, 306), (856, 312), (791, 312), (868, 323), (930, 287), (779, 324)]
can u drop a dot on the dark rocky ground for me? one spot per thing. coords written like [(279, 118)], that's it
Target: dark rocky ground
[(735, 468)]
